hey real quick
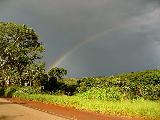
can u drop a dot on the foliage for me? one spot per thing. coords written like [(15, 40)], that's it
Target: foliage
[(57, 72), (58, 87), (53, 84), (69, 81), (34, 74), (133, 85), (67, 85), (19, 47), (10, 91), (109, 94), (144, 84), (28, 90)]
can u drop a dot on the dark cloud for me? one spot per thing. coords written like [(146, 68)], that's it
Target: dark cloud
[(123, 34)]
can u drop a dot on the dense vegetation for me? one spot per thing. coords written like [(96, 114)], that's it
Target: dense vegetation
[(133, 85), (145, 84), (23, 75)]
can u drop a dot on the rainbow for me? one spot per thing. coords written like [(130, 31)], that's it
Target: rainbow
[(85, 41), (70, 51)]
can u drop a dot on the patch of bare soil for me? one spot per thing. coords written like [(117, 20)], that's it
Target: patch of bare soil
[(71, 113)]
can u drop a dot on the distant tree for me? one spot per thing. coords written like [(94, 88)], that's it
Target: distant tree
[(58, 73), (19, 47), (54, 75)]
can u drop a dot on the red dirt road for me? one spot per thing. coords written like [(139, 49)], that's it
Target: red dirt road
[(69, 113)]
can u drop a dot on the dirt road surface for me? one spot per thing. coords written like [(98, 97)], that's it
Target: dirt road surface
[(11, 111)]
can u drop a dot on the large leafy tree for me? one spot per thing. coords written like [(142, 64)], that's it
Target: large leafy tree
[(19, 47)]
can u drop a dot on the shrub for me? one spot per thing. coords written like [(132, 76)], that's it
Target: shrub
[(10, 91), (29, 90)]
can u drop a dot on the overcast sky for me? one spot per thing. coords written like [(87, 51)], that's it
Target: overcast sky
[(92, 37)]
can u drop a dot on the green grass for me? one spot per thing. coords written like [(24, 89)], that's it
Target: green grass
[(140, 107)]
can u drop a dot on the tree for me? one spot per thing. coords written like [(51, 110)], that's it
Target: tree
[(58, 73), (54, 75), (19, 47)]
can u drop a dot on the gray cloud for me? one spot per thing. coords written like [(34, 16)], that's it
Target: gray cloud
[(124, 33)]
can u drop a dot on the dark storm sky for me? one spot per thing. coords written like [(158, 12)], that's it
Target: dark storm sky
[(92, 37)]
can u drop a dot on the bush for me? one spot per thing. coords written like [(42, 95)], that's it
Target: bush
[(10, 91), (65, 86), (29, 90)]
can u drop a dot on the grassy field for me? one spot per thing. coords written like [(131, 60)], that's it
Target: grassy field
[(140, 107)]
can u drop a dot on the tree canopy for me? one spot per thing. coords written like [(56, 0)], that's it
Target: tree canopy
[(57, 72), (19, 49)]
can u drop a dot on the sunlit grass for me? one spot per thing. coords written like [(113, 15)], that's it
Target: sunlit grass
[(140, 107)]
